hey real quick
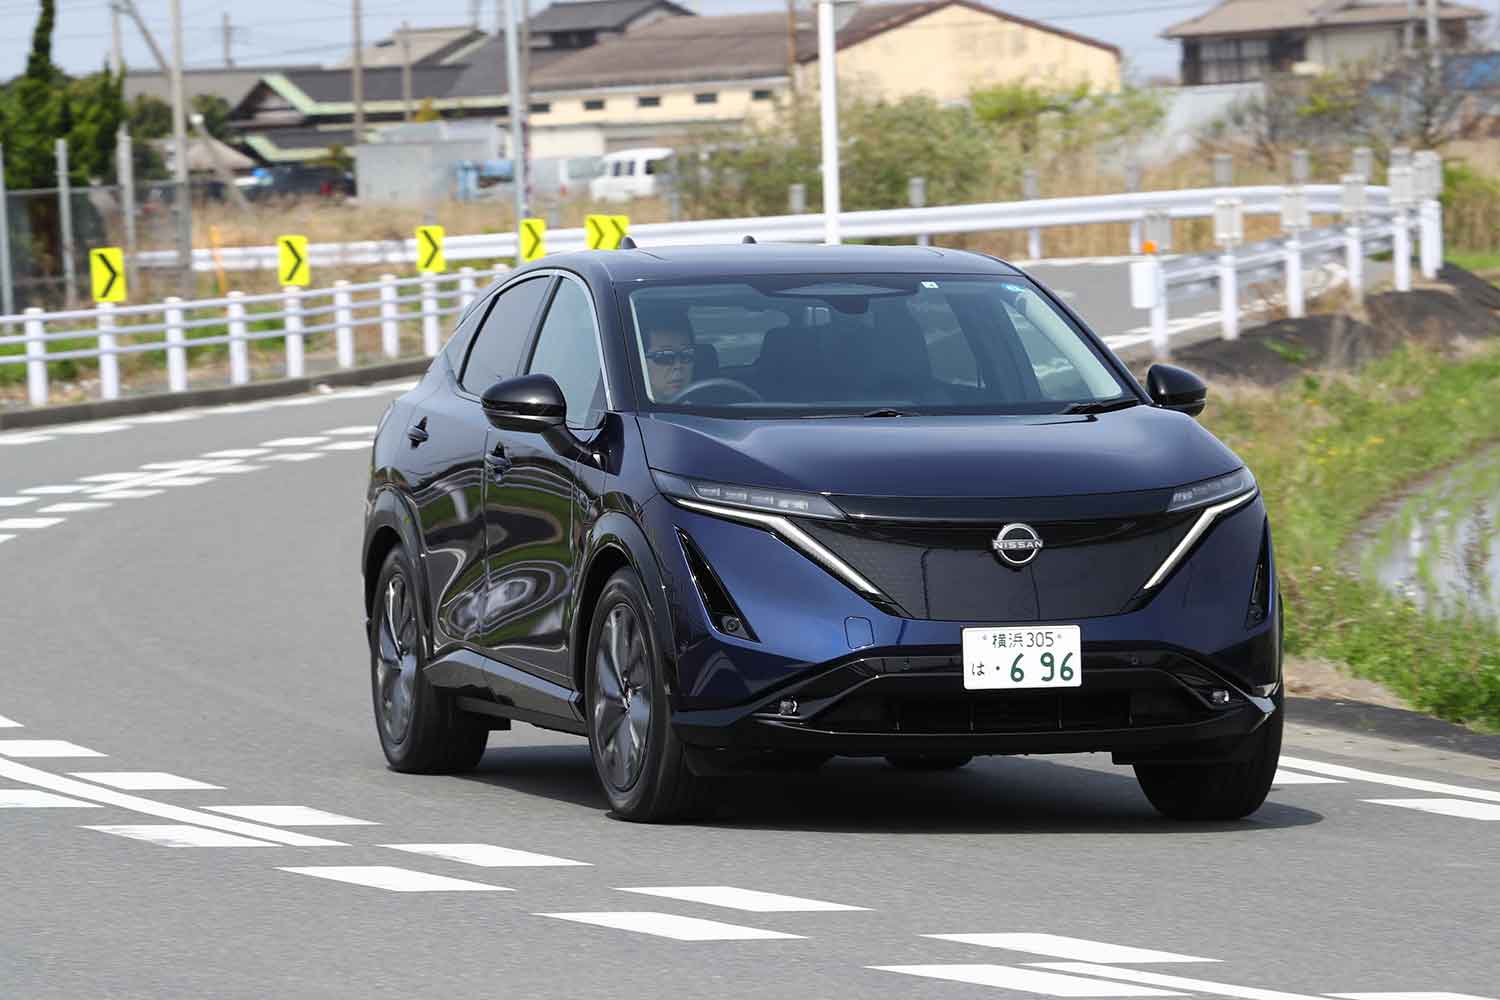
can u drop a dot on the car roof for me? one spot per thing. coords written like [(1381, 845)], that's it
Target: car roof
[(649, 152), (747, 260)]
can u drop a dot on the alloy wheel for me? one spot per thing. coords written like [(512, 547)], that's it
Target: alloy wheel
[(396, 659), (622, 707)]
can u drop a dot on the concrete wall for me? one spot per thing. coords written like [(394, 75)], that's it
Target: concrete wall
[(1331, 48), (412, 173)]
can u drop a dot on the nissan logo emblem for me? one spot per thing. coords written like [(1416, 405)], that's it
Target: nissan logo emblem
[(1017, 544)]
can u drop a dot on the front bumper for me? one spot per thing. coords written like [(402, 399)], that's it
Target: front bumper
[(1157, 706)]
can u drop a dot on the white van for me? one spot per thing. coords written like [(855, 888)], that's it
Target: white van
[(632, 173)]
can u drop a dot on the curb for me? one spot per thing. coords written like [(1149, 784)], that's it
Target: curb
[(157, 402), (1392, 723)]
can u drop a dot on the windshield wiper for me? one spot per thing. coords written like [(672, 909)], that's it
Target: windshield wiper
[(1102, 405)]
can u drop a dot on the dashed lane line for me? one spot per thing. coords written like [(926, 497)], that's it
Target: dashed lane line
[(1462, 808), (347, 446), (28, 523), (144, 781), (1394, 780), (294, 442), (16, 501), (181, 835), (1006, 977), (47, 491), (1076, 949), (294, 456), (670, 925), (38, 778), (394, 879), (32, 798), (74, 507), (45, 748), (487, 855), (750, 900), (237, 453), (128, 494), (290, 816)]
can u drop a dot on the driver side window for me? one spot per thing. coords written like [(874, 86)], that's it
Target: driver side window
[(497, 350)]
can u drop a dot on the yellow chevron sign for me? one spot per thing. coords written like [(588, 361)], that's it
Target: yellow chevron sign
[(107, 269), (533, 239), (604, 232), (430, 259), (292, 267)]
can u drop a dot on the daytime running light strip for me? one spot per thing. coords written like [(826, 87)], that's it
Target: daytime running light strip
[(1205, 520), (792, 534)]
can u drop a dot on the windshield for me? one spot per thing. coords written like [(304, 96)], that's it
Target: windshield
[(881, 345)]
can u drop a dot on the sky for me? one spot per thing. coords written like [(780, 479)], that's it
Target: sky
[(317, 31)]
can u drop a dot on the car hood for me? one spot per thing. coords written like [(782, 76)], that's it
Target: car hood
[(1135, 449)]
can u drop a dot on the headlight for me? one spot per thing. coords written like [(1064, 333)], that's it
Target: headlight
[(785, 502), (1211, 491)]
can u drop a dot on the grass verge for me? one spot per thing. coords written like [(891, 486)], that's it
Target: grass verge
[(1327, 452)]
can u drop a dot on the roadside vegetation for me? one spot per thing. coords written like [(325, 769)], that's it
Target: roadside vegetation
[(1328, 452)]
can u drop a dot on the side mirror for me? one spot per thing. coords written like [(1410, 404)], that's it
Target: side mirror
[(1177, 389), (527, 403)]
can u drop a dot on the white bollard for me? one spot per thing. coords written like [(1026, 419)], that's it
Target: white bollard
[(429, 316), (1401, 250), (390, 330), (1148, 290), (1034, 244), (36, 358), (109, 361), (1135, 237), (293, 325), (1354, 262), (1437, 237), (1296, 306), (1427, 223), (239, 348), (1229, 297), (466, 287), (343, 324), (177, 380)]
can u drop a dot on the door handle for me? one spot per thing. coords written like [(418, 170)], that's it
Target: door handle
[(417, 432)]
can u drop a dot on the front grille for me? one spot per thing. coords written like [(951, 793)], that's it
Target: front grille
[(1011, 712), (1087, 569)]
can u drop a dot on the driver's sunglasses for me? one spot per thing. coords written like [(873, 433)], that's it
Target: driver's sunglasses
[(668, 357)]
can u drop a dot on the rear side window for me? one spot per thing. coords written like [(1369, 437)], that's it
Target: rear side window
[(567, 349), (497, 351), (458, 344)]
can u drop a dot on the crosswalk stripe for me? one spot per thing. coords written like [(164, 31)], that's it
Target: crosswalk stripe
[(293, 456), (394, 879), (487, 855), (670, 925), (73, 507), (1077, 949), (16, 501), (1394, 780), (143, 781), (31, 798), (294, 442), (750, 900), (235, 453), (290, 816), (29, 523), (1461, 808), (347, 446), (128, 494), (49, 491), (180, 835), (1170, 982), (44, 748), (1024, 980)]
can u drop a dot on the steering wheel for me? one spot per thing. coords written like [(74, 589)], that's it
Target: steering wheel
[(734, 385)]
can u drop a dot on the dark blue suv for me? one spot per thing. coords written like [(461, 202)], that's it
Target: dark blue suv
[(727, 508)]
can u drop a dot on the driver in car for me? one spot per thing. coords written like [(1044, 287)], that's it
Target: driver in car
[(669, 361)]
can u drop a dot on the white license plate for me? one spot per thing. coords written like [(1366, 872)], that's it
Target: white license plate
[(1038, 656)]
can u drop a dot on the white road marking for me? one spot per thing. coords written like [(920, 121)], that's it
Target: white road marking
[(45, 748), (174, 835), (29, 523), (347, 446), (293, 442), (142, 781), (1406, 996), (395, 879), (1077, 949), (290, 816), (293, 456), (31, 798), (50, 491), (1171, 982), (16, 501), (750, 900), (109, 477), (128, 494), (236, 453), (89, 429), (669, 925), (9, 723), (1462, 808), (365, 429), (27, 775), (1285, 777), (1394, 780), (72, 507), (487, 855), (6, 538), (186, 463), (183, 480), (1025, 980), (24, 438), (173, 417), (236, 467)]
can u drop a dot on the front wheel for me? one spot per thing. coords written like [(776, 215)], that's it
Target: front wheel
[(1225, 791), (639, 760)]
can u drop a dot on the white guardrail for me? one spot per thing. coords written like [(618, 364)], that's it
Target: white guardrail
[(393, 304)]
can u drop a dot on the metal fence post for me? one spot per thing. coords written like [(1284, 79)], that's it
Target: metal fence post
[(1132, 185), (1030, 189), (65, 217), (1402, 185), (1354, 261), (429, 315), (36, 358), (1294, 219), (1229, 295), (109, 361), (176, 345), (390, 331), (1296, 306), (916, 197), (239, 349), (343, 324), (7, 290), (292, 306), (1159, 345), (466, 287)]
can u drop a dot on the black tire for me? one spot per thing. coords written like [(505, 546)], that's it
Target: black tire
[(1225, 791), (420, 728), (648, 783), (929, 761)]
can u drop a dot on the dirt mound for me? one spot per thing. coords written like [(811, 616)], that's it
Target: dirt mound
[(1463, 308)]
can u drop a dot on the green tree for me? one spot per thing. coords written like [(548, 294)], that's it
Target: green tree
[(150, 117), (1048, 123), (215, 111)]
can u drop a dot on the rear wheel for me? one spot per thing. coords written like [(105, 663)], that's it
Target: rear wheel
[(929, 761), (1230, 790), (638, 758), (421, 730)]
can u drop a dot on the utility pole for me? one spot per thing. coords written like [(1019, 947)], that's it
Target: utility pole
[(1409, 30), (228, 43), (357, 76), (1434, 41), (406, 71), (184, 199), (474, 14), (116, 50), (517, 150), (791, 46), (828, 74), (525, 102)]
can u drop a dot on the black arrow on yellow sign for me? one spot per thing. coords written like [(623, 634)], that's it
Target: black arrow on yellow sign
[(595, 232), (297, 261), (434, 248), (620, 224), (114, 276)]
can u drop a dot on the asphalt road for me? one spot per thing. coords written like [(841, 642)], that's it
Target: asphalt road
[(205, 625)]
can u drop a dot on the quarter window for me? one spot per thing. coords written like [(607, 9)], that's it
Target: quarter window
[(568, 350), (497, 351)]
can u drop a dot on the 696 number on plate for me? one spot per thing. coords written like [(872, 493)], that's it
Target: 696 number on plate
[(1041, 656)]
